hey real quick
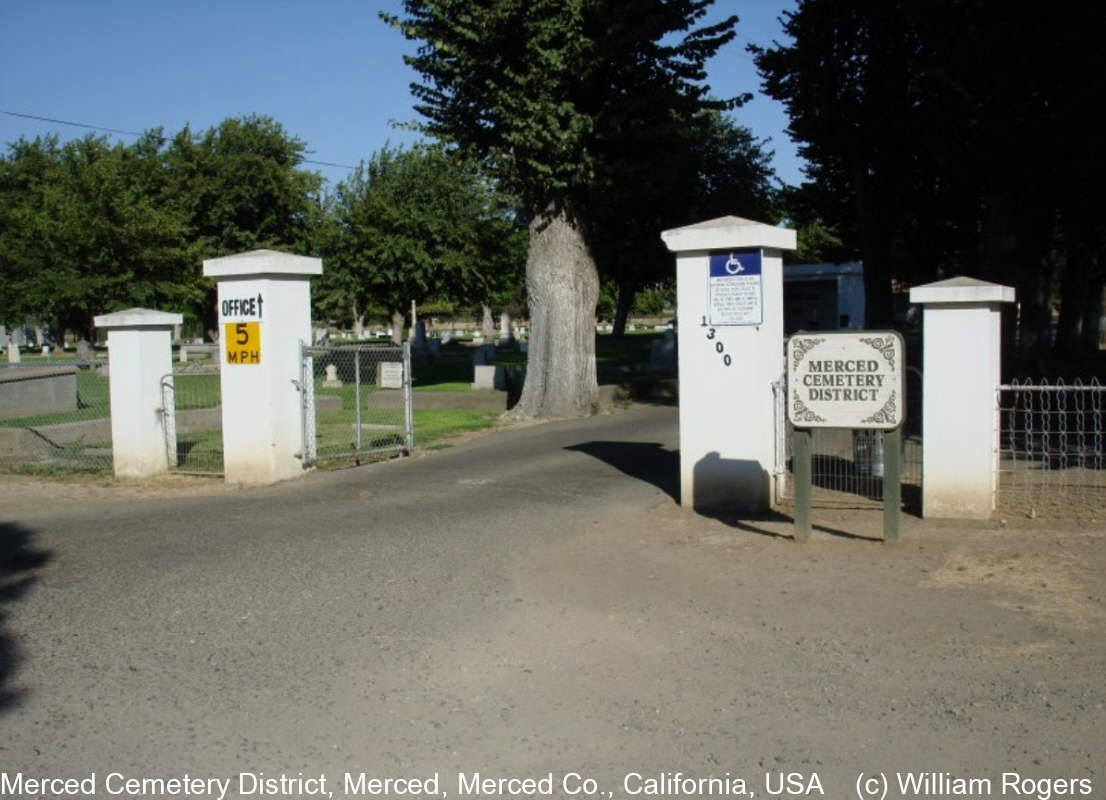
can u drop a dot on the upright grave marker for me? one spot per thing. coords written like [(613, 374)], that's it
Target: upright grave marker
[(730, 298), (264, 305), (846, 380)]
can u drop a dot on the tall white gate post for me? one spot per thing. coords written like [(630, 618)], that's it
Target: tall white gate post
[(961, 361), (729, 275), (264, 314), (140, 353)]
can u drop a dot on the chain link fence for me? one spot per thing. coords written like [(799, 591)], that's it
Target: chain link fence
[(1052, 449), (55, 415), (357, 402), (192, 417)]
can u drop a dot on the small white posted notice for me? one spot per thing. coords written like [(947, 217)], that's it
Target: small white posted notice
[(735, 294)]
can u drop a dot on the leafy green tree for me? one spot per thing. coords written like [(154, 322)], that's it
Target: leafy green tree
[(554, 95), (708, 167), (85, 229), (240, 186), (412, 225)]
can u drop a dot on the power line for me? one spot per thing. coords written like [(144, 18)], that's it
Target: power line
[(136, 133)]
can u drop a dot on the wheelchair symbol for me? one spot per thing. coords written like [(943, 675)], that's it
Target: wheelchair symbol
[(733, 266)]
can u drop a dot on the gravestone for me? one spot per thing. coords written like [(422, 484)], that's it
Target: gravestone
[(84, 350), (46, 350), (447, 337), (332, 381), (389, 375), (489, 376), (662, 354), (14, 356)]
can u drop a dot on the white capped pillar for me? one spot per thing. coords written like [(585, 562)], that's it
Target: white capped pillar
[(140, 353), (962, 357), (264, 309), (729, 297)]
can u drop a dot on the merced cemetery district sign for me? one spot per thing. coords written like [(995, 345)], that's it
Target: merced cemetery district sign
[(845, 380)]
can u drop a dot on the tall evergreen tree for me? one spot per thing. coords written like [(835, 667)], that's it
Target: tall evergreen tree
[(555, 96)]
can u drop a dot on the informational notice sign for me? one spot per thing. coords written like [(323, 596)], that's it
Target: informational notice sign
[(736, 295), (241, 316), (845, 380)]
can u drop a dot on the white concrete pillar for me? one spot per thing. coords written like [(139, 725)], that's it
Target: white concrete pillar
[(962, 357), (729, 274), (264, 309), (140, 353)]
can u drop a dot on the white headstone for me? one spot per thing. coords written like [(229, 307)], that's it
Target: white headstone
[(390, 375), (332, 381), (489, 376), (14, 356)]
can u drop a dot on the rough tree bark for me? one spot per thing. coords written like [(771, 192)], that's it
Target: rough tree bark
[(563, 288), (487, 327), (397, 326), (358, 321), (622, 308)]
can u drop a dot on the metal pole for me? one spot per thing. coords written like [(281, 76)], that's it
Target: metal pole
[(357, 393), (801, 466), (892, 484), (408, 416)]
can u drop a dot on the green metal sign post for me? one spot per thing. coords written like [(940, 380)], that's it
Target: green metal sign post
[(801, 459), (892, 484)]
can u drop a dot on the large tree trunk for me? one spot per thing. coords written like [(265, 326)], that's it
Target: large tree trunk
[(397, 326), (487, 327), (358, 321), (563, 287), (1093, 328), (622, 308), (505, 332)]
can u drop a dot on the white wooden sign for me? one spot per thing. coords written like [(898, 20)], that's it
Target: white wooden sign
[(846, 380)]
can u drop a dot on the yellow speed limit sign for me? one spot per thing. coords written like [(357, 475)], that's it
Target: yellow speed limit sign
[(243, 342)]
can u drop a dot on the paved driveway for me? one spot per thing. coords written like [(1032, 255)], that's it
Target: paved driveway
[(534, 601)]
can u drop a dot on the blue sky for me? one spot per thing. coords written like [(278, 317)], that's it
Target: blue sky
[(330, 71)]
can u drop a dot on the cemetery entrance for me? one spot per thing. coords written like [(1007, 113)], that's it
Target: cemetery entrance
[(193, 418), (356, 402)]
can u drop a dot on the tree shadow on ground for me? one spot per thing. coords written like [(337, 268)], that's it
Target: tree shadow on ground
[(18, 560), (650, 462)]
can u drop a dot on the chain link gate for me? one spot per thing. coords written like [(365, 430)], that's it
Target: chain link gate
[(356, 402), (192, 419), (1052, 449)]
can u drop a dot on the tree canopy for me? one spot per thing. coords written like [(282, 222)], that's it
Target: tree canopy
[(413, 225), (560, 97), (948, 138), (88, 227)]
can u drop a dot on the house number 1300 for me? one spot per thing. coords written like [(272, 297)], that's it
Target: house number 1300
[(718, 346)]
